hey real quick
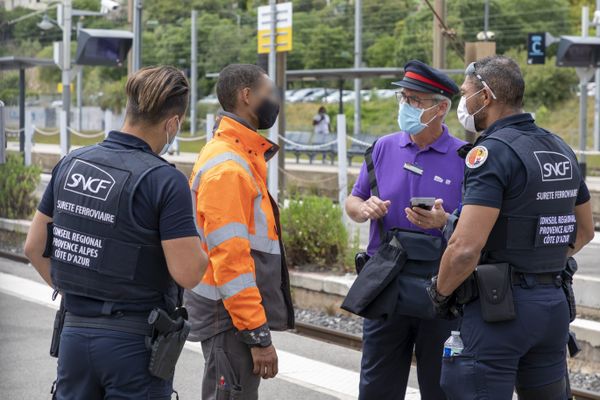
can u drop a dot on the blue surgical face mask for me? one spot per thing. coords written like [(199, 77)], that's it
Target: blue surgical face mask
[(171, 140), (409, 118)]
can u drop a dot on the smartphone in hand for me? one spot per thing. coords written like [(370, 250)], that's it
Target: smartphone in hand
[(425, 203)]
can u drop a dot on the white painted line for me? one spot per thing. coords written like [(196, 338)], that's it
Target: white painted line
[(587, 331), (589, 278), (28, 290), (586, 324), (596, 239), (312, 374)]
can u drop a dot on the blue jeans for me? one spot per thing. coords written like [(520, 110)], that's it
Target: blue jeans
[(106, 364), (527, 352)]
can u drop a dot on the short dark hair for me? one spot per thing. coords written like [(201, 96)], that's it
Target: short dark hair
[(504, 77), (234, 78), (154, 92)]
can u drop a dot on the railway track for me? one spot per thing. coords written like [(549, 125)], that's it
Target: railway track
[(330, 335), (13, 256)]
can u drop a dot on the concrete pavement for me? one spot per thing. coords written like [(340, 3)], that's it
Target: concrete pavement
[(309, 369)]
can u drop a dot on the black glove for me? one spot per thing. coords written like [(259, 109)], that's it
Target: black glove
[(445, 307)]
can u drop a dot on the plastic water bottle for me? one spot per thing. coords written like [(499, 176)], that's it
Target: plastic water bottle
[(454, 345)]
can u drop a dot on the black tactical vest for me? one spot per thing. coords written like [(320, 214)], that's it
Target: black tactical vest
[(534, 229), (98, 248)]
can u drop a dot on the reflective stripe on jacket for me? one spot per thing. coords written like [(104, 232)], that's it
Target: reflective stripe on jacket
[(246, 284)]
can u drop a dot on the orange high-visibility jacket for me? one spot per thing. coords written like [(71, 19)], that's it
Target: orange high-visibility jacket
[(246, 284)]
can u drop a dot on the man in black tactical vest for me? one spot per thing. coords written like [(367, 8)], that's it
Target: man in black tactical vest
[(114, 234), (525, 210)]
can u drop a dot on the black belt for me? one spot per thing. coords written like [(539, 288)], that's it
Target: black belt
[(136, 324), (549, 278)]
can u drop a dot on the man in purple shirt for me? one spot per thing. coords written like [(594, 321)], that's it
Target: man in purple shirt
[(419, 161)]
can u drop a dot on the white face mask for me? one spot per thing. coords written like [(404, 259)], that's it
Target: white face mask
[(467, 120), (171, 140)]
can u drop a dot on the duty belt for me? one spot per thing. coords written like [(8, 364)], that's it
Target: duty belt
[(136, 323), (549, 278)]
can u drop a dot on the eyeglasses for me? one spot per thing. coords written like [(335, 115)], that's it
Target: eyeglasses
[(413, 101), (472, 71)]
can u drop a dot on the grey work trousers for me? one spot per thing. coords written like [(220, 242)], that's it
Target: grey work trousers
[(228, 369)]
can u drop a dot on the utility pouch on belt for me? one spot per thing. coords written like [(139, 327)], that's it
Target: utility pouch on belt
[(59, 321), (169, 333), (495, 292), (567, 286), (573, 345)]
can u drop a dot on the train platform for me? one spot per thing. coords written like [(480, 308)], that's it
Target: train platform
[(309, 369)]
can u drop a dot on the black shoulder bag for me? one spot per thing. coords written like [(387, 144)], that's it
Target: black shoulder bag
[(395, 278), (373, 294)]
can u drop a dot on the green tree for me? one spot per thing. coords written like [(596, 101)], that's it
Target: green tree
[(545, 85), (328, 48), (414, 37), (113, 95), (381, 16), (9, 87), (510, 20), (382, 53)]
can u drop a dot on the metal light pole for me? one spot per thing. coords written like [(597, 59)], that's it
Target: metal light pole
[(67, 9), (584, 74), (486, 20), (137, 36), (597, 94), (194, 73), (342, 164), (79, 87), (273, 181), (2, 135), (357, 64), (22, 110), (439, 41)]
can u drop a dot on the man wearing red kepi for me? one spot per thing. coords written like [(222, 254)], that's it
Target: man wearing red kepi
[(419, 161)]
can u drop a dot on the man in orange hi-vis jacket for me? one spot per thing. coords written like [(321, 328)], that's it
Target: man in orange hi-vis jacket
[(245, 292)]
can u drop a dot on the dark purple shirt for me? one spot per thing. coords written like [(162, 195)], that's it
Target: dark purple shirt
[(443, 172)]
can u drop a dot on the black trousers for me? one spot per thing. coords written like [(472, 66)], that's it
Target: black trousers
[(529, 351), (388, 347)]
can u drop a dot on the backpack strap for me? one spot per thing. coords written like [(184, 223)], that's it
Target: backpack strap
[(373, 184)]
